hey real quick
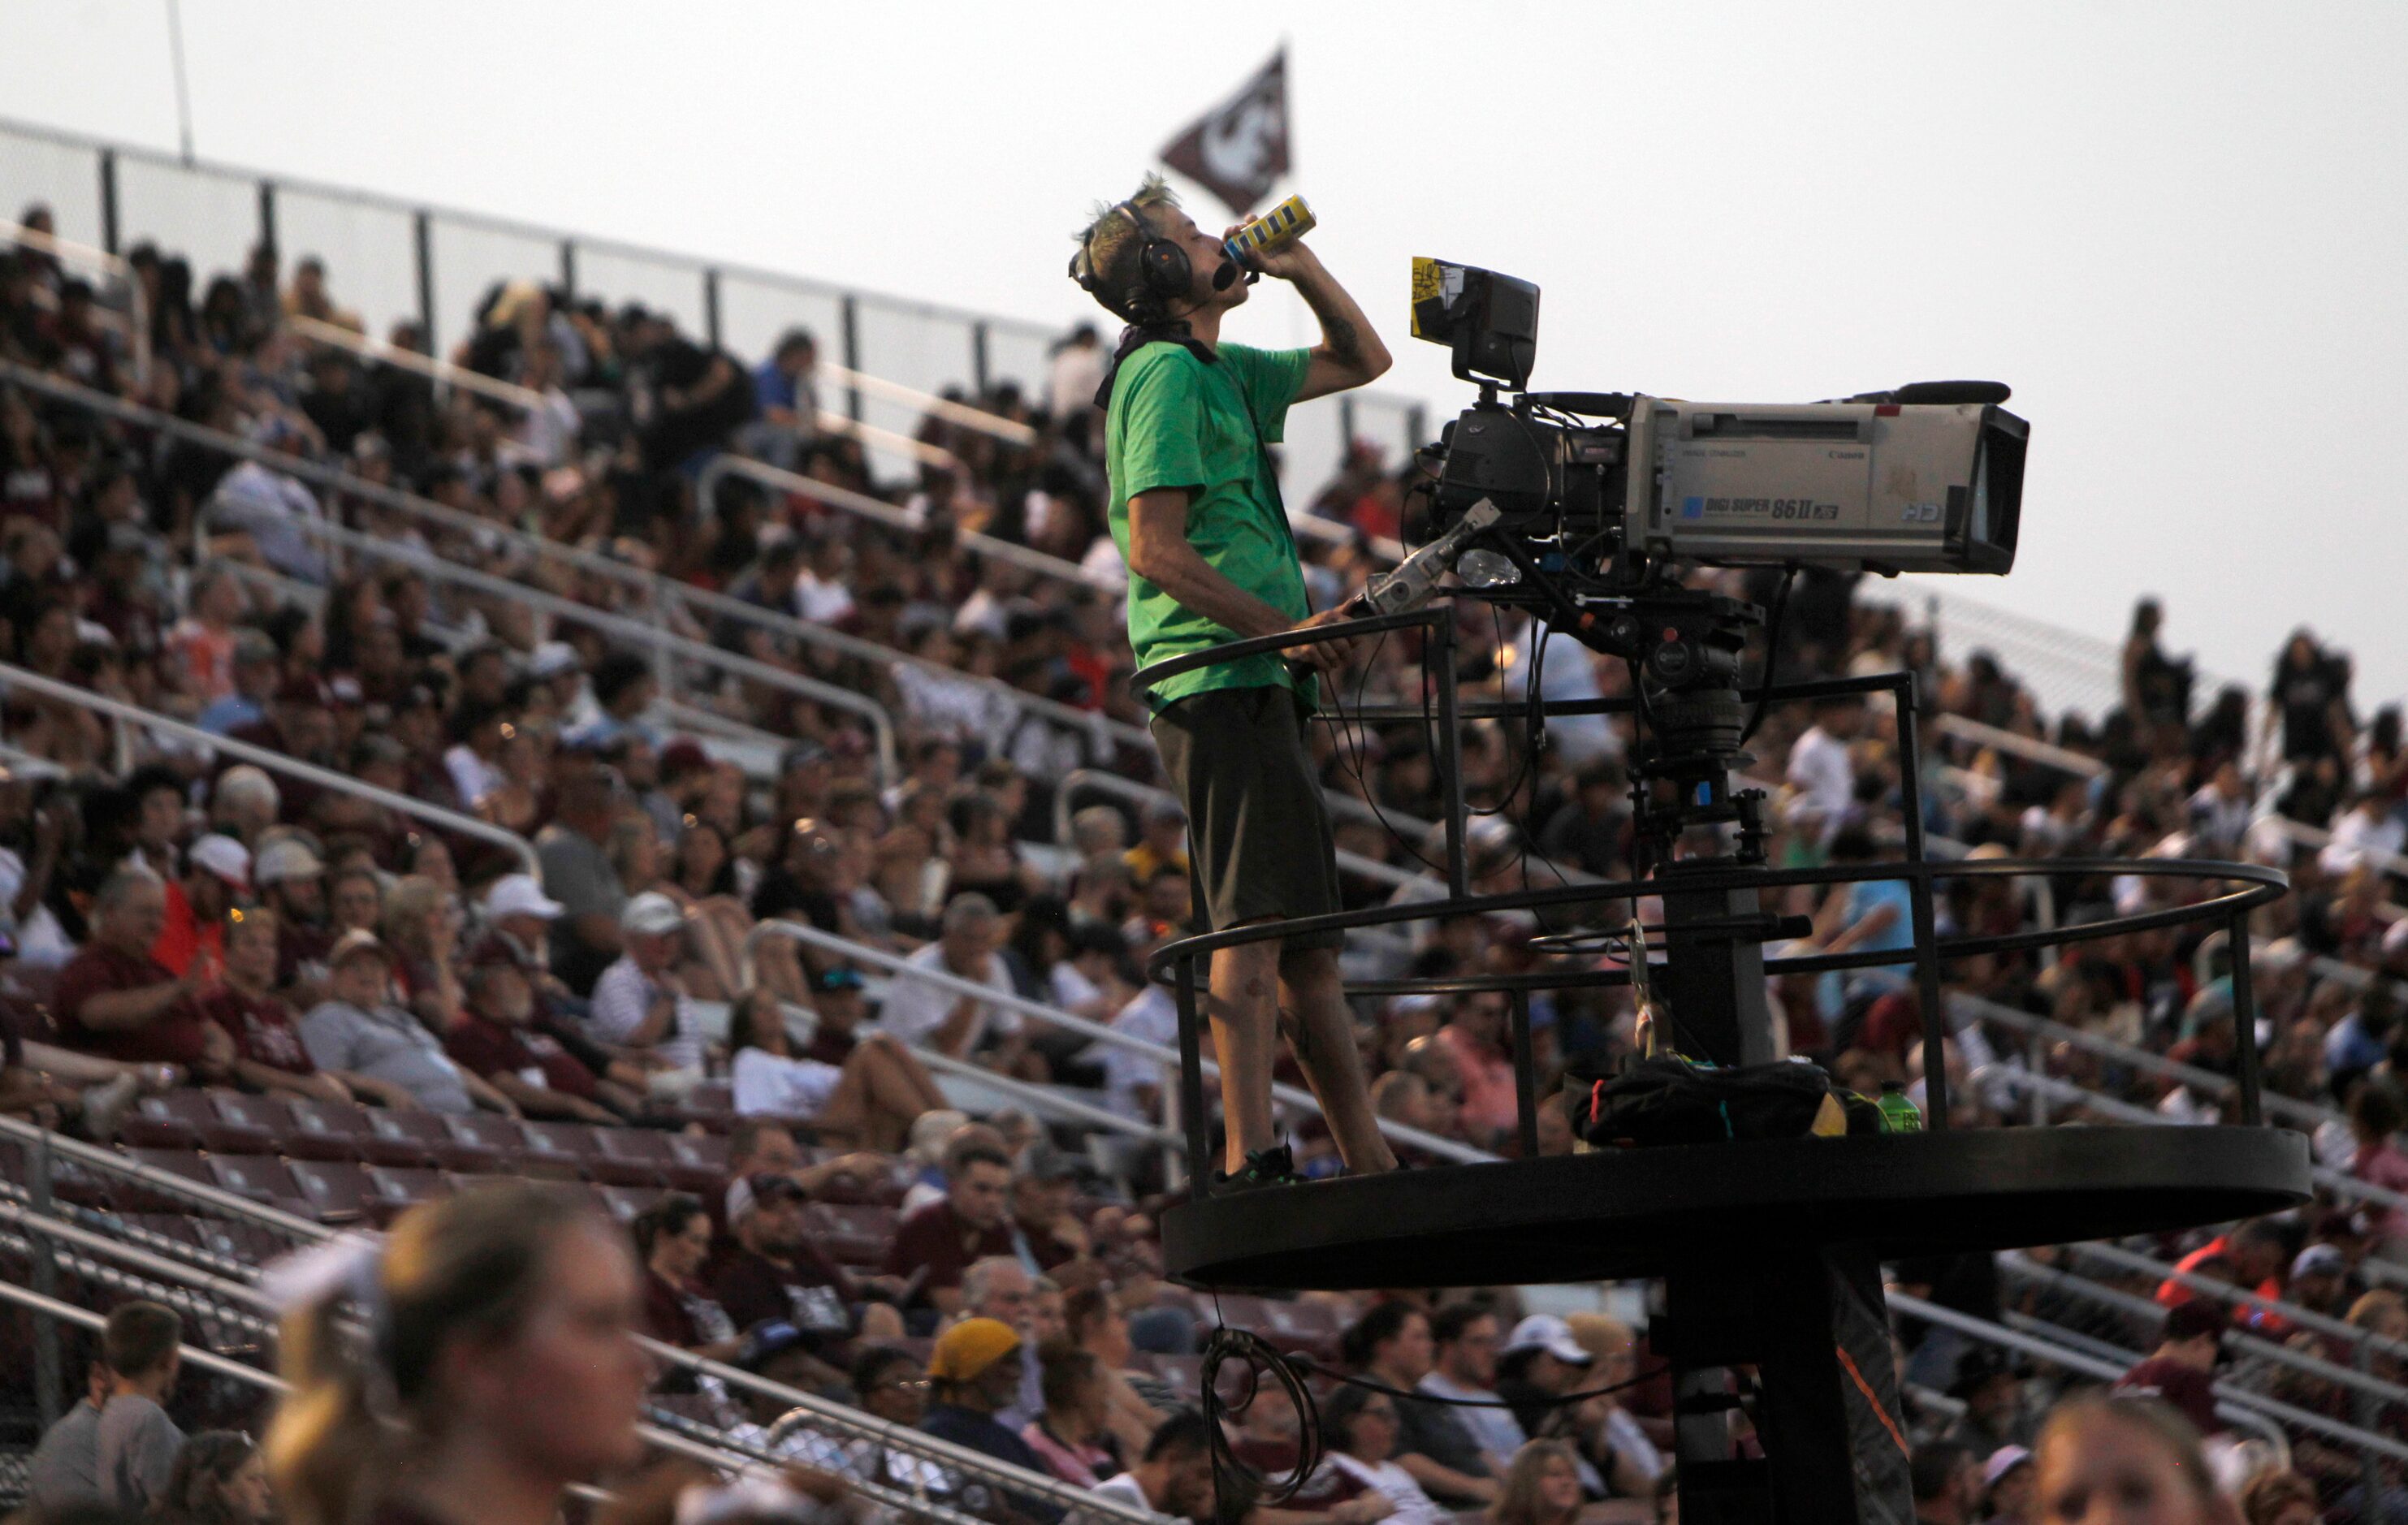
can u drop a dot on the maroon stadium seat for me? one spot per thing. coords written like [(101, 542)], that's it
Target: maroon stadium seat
[(262, 1179), (856, 1235), (266, 1116), (560, 1148), (492, 1133), (432, 1139), (400, 1185), (697, 1162), (633, 1156), (190, 1119), (626, 1201), (337, 1191), (342, 1131)]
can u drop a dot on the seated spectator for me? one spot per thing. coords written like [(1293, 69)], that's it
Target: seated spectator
[(2007, 1496), (1134, 1404), (219, 1480), (1175, 1476), (136, 1444), (1473, 1039), (1541, 1487), (217, 869), (2181, 1370), (776, 1272), (1068, 1435), (1045, 1233), (672, 1241), (2272, 1498), (1626, 1456), (1463, 1371), (1360, 1430), (928, 1015), (935, 1244), (1392, 1343), (380, 1050), (65, 1466), (268, 1053), (114, 1000), (836, 997), (291, 880), (1540, 1361), (497, 1040), (870, 1101), (889, 1384), (974, 1374), (577, 873), (640, 1005)]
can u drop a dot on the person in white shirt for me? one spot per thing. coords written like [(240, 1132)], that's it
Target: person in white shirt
[(1821, 775), (928, 1015), (1359, 1427), (1175, 1476), (641, 1002), (1133, 1081)]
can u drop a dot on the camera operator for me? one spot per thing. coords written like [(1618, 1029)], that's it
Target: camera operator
[(1197, 513)]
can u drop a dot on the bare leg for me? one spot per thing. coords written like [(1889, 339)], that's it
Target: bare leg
[(1323, 1035), (1244, 1013)]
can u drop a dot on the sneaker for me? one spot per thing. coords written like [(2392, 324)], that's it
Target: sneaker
[(104, 1106), (1262, 1167)]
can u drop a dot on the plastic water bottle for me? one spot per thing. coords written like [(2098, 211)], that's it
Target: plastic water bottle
[(1898, 1110)]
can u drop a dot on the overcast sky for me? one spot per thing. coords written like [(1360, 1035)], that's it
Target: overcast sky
[(2176, 230)]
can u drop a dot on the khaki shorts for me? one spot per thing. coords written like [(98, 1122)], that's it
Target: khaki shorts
[(1258, 838)]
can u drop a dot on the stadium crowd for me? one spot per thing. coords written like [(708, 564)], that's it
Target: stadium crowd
[(181, 920)]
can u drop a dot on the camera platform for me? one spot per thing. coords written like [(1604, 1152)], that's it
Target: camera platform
[(1623, 1214), (1768, 1249)]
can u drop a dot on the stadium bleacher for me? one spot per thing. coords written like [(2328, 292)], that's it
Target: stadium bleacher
[(488, 608)]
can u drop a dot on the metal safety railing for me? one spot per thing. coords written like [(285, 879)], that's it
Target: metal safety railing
[(1162, 1054), (664, 643), (19, 679), (230, 1281)]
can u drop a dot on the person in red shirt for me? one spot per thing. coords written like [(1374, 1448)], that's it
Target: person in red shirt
[(938, 1243), (192, 937), (1473, 1041), (2256, 1251), (2182, 1369), (495, 1039), (268, 1054), (114, 1000)]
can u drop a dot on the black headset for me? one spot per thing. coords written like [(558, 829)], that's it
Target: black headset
[(1164, 272)]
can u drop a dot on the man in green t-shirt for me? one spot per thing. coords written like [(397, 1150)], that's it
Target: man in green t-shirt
[(1195, 512)]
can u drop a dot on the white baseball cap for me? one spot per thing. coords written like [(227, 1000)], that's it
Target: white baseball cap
[(222, 856), (1545, 1331), (517, 894), (286, 857), (652, 913), (2003, 1460)]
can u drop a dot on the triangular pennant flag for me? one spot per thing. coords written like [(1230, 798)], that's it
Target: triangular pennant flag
[(1239, 148)]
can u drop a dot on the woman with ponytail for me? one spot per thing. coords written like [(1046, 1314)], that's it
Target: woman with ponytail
[(487, 1362)]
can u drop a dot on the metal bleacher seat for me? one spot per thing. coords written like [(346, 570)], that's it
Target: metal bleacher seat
[(336, 1191)]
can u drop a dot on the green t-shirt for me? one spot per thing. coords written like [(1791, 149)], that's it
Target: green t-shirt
[(1178, 420)]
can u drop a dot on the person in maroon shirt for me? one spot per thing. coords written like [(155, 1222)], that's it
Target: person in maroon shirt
[(2182, 1370), (673, 1239), (938, 1243), (114, 1000), (268, 1054), (495, 1039), (836, 997), (776, 1272)]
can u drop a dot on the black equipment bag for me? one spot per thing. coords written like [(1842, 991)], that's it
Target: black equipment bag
[(1670, 1100)]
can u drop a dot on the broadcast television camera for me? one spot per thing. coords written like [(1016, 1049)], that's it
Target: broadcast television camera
[(1598, 487)]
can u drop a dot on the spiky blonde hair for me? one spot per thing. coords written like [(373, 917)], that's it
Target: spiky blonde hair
[(1108, 245)]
